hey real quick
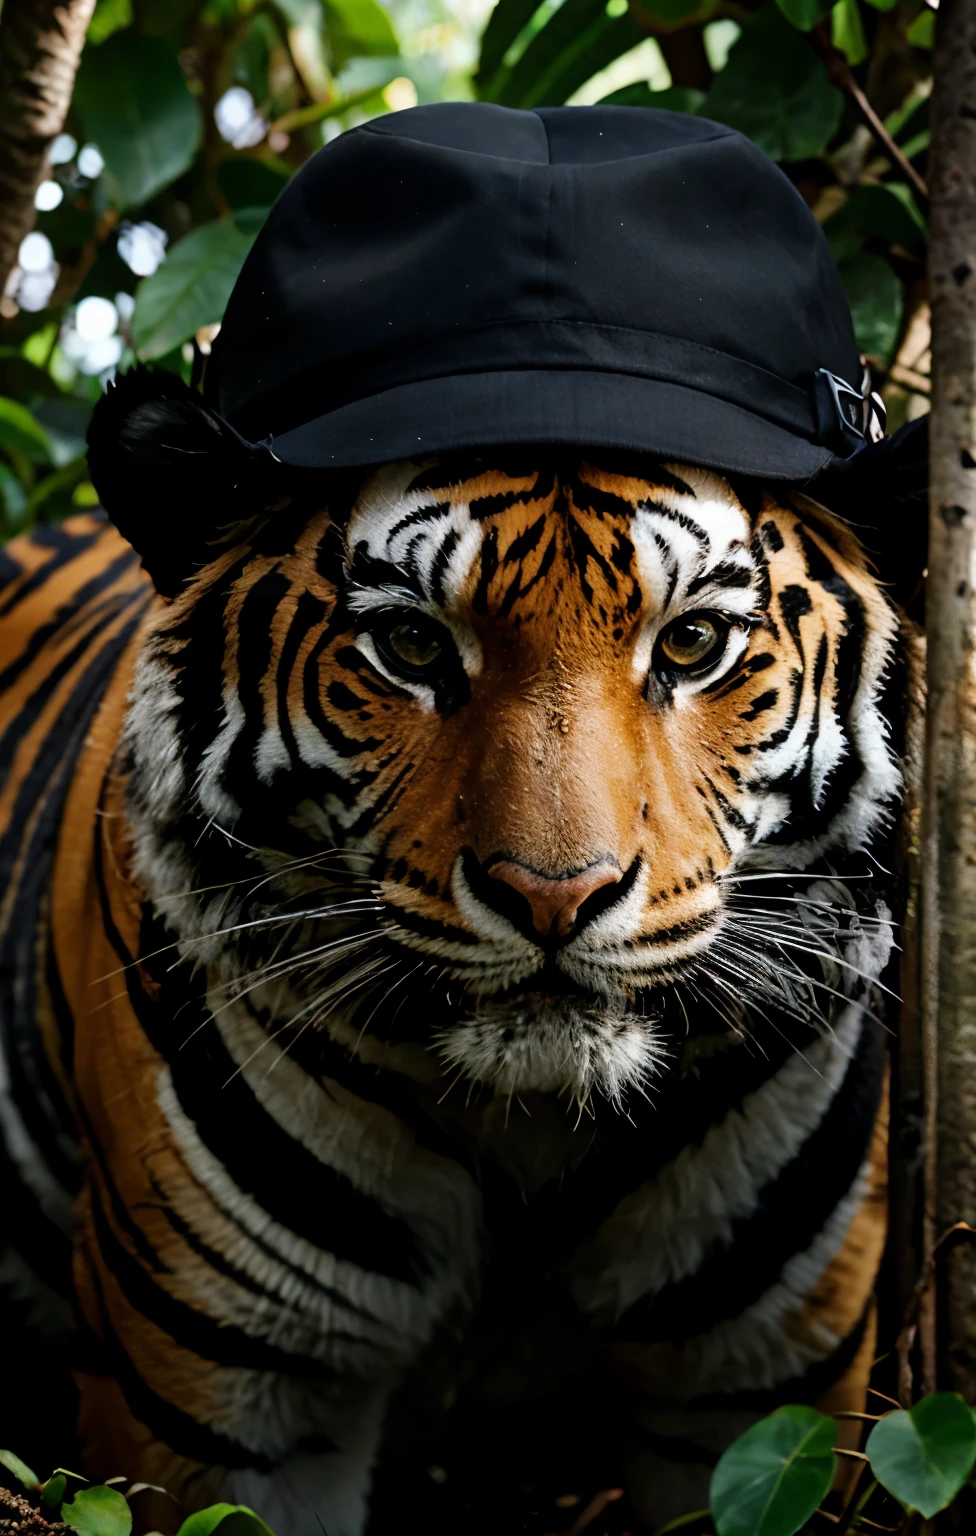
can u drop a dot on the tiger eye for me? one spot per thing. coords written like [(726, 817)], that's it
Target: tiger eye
[(688, 641), (413, 645)]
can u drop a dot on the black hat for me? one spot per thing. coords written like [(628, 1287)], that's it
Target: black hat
[(466, 275)]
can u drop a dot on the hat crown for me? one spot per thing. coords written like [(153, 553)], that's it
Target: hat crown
[(467, 235)]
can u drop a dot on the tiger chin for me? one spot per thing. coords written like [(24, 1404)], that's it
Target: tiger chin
[(559, 1045), (421, 811)]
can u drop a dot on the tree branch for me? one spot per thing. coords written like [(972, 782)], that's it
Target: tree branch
[(842, 76)]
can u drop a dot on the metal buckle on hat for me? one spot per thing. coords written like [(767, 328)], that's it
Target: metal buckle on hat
[(839, 412)]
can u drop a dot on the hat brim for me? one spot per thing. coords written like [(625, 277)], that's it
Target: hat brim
[(572, 406)]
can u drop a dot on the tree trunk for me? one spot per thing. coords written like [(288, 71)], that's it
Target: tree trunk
[(949, 824), (40, 46)]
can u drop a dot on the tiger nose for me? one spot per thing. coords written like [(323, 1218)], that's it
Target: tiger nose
[(555, 903)]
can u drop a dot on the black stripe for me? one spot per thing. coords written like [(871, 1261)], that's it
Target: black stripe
[(308, 1197), (223, 1266), (212, 1339), (37, 812), (309, 611), (45, 1248), (441, 562), (65, 545), (105, 1356), (792, 1209), (81, 600)]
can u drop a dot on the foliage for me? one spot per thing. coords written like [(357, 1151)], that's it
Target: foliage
[(189, 290), (189, 116), (104, 1510), (768, 1483), (775, 1475), (925, 1455)]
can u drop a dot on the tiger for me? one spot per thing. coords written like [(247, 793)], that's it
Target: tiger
[(444, 910)]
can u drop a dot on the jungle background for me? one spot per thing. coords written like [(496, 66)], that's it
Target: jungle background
[(187, 118)]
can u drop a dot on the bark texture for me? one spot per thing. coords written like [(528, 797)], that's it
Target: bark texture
[(40, 46), (949, 827)]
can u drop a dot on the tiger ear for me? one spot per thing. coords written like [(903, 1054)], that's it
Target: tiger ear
[(883, 493), (172, 474)]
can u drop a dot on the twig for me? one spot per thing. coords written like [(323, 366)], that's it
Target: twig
[(842, 76), (916, 382), (594, 1509), (301, 117)]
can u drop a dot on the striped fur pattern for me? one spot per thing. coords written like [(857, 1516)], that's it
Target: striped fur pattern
[(341, 1116)]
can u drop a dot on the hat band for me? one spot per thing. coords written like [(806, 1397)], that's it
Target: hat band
[(517, 346)]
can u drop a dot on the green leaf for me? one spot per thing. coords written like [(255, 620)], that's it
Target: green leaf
[(110, 16), (506, 22), (20, 1469), (229, 1519), (19, 430), (770, 1481), (804, 14), (575, 44), (678, 10), (57, 487), (921, 33), (883, 5), (776, 90), (876, 299), (189, 289), (53, 1491), (300, 13), (65, 423), (358, 28), (675, 98), (246, 183), (98, 1512), (847, 33), (884, 211), (925, 1455), (133, 99), (250, 220), (16, 506), (21, 376)]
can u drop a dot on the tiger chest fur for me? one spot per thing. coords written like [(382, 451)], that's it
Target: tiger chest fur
[(449, 923)]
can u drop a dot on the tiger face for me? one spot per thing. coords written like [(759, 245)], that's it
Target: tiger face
[(474, 766)]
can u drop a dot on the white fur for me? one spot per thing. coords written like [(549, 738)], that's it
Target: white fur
[(661, 1232)]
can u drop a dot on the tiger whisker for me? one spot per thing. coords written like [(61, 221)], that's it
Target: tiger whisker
[(273, 972), (811, 981), (784, 998), (309, 914), (239, 995), (719, 981), (823, 954), (798, 874)]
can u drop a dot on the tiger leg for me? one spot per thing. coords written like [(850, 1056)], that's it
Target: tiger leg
[(843, 1300), (669, 1445), (212, 1410), (324, 1484)]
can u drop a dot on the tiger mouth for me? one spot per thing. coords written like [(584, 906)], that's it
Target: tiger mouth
[(551, 987)]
